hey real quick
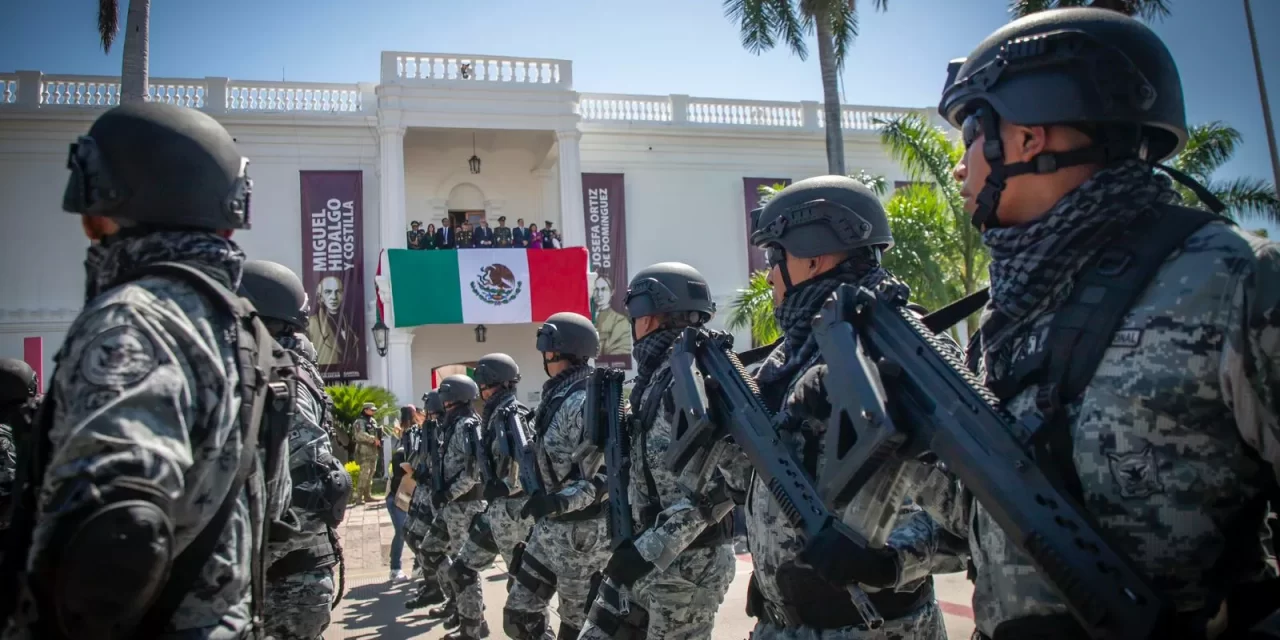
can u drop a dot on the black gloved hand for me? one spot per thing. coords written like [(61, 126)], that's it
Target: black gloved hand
[(496, 489), (836, 558), (626, 565), (540, 505)]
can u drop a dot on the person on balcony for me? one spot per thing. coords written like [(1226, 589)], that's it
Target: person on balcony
[(429, 238), (550, 237), (502, 235), (444, 237), (466, 237), (535, 237), (484, 236), (415, 235), (520, 235)]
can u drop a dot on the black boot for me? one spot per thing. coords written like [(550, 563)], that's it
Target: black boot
[(470, 630), (448, 610), (429, 594)]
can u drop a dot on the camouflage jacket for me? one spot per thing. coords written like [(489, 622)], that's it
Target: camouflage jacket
[(146, 391), (681, 517), (8, 460), (506, 468), (1171, 436), (461, 472), (559, 442), (364, 431)]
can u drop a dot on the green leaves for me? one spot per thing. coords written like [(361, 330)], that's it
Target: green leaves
[(349, 399), (1209, 146), (753, 308)]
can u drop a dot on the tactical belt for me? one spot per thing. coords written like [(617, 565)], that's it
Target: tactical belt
[(820, 609), (590, 513), (319, 556)]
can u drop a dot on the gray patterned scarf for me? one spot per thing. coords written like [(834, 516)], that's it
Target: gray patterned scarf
[(650, 352), (116, 256), (500, 397), (1032, 265), (299, 344), (795, 315), (555, 386)]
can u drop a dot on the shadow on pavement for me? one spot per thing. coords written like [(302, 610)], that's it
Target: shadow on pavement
[(377, 611)]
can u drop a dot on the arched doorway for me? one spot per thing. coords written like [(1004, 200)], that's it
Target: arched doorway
[(466, 204), (456, 369)]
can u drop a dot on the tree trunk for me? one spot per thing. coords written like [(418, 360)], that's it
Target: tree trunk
[(1262, 94), (134, 69), (831, 98)]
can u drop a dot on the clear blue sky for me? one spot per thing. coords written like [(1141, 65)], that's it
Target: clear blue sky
[(653, 47)]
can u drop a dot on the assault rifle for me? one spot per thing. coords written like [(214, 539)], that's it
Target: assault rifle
[(700, 360), (941, 407), (436, 459), (605, 425), (480, 449), (515, 445)]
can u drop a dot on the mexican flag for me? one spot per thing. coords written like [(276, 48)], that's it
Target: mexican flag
[(486, 286)]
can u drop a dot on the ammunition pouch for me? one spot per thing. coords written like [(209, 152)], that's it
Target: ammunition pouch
[(568, 631), (461, 576), (534, 576), (812, 603), (322, 487), (481, 533), (476, 493), (318, 556), (582, 515), (517, 559), (524, 625), (632, 625)]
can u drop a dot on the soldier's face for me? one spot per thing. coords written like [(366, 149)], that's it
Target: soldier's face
[(97, 227), (331, 294)]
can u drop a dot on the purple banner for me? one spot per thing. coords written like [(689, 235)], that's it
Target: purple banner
[(751, 197), (605, 211), (333, 271)]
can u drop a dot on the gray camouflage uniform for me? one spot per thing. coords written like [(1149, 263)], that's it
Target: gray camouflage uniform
[(1170, 437), (685, 589), (572, 550), (147, 388), (502, 517), (298, 604), (921, 546), (8, 469), (462, 480)]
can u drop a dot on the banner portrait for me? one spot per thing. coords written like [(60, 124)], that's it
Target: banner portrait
[(604, 207), (333, 271), (751, 197)]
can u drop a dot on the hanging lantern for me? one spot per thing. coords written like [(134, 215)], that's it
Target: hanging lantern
[(474, 162)]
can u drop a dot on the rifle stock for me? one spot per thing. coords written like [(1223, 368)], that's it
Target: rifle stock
[(522, 451), (945, 409), (696, 355), (607, 431), (480, 451)]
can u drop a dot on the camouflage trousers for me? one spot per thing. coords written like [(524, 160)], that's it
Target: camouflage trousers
[(925, 623), (367, 458), (445, 539), (573, 552), (496, 531), (680, 602), (297, 606)]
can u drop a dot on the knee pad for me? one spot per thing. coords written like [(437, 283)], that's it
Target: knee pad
[(482, 534), (524, 625), (462, 576), (535, 576), (632, 626), (568, 631)]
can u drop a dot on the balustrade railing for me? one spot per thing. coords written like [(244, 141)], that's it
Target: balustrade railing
[(406, 67), (31, 89)]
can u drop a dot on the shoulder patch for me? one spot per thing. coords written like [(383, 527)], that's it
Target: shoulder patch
[(118, 357), (1136, 474), (1128, 338)]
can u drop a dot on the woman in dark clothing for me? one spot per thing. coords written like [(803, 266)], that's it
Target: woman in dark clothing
[(429, 242), (409, 421)]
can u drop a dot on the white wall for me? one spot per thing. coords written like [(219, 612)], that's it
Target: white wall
[(435, 162)]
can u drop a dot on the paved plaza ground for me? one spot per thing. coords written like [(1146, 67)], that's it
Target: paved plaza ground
[(374, 607)]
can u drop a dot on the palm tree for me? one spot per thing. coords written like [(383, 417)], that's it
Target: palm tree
[(1146, 9), (753, 308), (765, 22), (134, 68), (927, 154), (1209, 146)]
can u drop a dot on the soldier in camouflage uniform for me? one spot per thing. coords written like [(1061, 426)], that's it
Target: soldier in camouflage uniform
[(570, 541), (143, 418), (818, 234), (421, 513), (503, 525), (669, 578), (301, 551), (462, 498), (1173, 441), (365, 435), (17, 408)]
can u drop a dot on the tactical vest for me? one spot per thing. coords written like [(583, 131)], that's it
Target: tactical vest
[(265, 388), (1079, 334), (542, 418)]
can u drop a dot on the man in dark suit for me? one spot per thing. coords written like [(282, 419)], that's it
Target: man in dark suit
[(444, 235), (484, 236), (520, 235)]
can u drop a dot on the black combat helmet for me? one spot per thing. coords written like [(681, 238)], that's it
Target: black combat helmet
[(672, 288), (822, 215), (276, 292), (431, 402), (459, 389), (569, 334), (496, 369), (17, 381), (159, 165), (1097, 69)]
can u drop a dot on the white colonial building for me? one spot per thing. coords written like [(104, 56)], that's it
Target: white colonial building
[(686, 164)]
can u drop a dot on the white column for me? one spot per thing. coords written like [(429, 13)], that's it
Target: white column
[(399, 363), (392, 224), (573, 229)]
